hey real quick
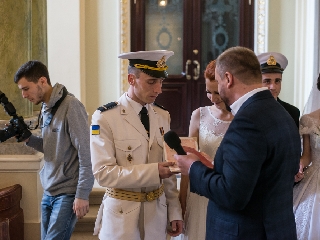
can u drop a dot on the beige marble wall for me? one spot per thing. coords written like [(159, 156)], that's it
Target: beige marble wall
[(22, 38), (24, 170)]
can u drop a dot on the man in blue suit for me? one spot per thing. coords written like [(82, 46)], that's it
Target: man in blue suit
[(250, 188)]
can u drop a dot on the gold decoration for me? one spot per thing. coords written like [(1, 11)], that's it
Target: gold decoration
[(134, 196), (162, 63), (141, 66), (271, 61), (161, 131), (129, 158), (150, 197)]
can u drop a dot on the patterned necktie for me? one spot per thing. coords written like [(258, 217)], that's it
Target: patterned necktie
[(145, 118)]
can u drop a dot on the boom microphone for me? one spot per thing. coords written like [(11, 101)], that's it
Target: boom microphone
[(173, 141)]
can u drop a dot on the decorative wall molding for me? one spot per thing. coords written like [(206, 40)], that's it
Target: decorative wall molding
[(125, 42), (261, 26)]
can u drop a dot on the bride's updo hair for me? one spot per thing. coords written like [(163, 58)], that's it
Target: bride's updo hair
[(209, 72), (318, 82)]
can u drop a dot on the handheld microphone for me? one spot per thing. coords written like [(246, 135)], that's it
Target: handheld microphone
[(173, 141)]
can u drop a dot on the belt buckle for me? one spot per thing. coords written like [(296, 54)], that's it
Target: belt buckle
[(150, 196)]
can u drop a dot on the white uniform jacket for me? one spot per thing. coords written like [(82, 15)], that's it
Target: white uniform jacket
[(123, 157)]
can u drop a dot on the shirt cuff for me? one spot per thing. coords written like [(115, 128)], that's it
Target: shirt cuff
[(190, 167)]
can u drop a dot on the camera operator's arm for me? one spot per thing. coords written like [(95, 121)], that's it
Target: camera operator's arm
[(35, 142), (26, 140)]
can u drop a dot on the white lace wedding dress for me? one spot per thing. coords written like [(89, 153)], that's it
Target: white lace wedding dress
[(306, 194), (211, 132)]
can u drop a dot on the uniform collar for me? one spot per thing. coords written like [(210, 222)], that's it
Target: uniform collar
[(135, 105)]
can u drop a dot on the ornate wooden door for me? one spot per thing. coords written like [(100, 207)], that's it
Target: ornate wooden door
[(197, 31)]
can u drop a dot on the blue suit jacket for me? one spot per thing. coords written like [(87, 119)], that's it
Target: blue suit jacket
[(250, 188)]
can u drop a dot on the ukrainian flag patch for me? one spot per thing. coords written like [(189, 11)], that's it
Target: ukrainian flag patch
[(95, 129)]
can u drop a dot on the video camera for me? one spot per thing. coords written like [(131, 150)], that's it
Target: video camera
[(17, 126)]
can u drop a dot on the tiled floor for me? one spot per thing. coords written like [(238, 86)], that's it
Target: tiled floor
[(88, 236), (83, 236)]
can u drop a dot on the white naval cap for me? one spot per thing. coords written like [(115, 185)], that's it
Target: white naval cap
[(272, 62), (152, 63)]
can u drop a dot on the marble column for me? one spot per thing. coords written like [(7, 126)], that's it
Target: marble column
[(23, 37)]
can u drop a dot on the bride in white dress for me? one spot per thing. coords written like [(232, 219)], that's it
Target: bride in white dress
[(209, 125), (306, 194)]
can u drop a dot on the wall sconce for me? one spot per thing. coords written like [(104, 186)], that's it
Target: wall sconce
[(162, 3)]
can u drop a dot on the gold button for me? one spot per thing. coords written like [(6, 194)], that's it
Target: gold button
[(129, 148)]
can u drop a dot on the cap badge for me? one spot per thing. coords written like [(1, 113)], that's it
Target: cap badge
[(271, 61), (161, 63)]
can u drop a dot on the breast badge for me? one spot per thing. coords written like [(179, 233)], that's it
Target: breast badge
[(129, 158), (161, 131)]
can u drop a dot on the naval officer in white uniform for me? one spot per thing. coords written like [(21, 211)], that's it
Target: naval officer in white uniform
[(141, 200)]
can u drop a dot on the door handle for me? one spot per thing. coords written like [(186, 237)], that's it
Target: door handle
[(188, 62), (196, 70)]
